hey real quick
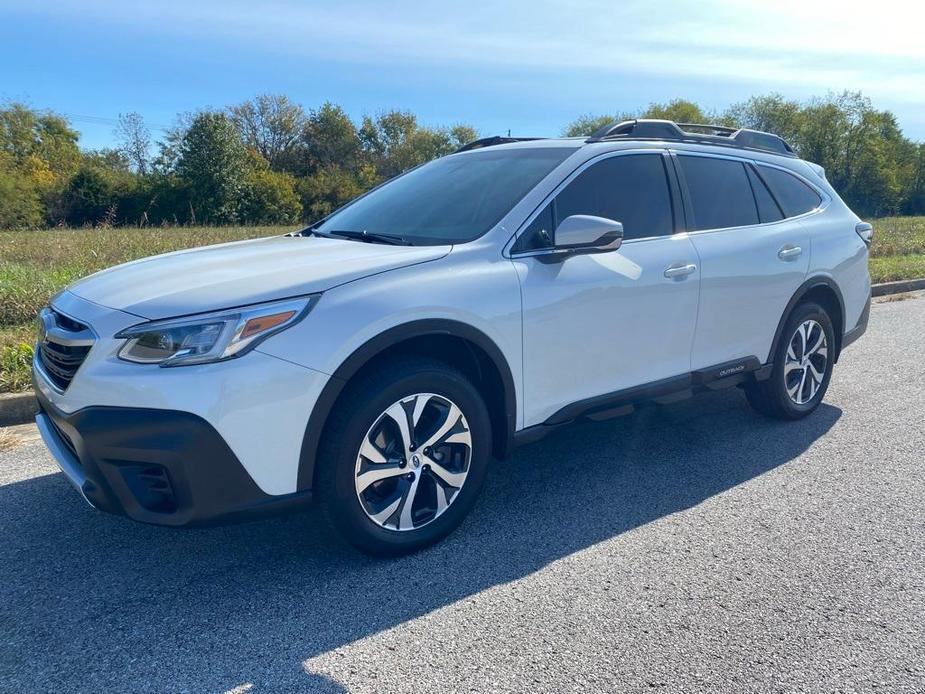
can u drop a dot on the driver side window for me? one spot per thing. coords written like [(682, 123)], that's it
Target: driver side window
[(632, 189)]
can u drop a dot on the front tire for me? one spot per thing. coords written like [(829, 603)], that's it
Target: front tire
[(404, 456), (803, 362)]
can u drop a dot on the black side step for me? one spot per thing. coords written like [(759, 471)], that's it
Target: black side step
[(663, 392)]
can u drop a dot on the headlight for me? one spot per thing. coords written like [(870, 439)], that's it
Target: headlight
[(210, 337)]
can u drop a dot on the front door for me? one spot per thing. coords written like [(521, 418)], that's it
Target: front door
[(601, 323)]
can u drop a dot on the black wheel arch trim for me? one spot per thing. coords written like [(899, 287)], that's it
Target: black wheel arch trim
[(375, 346), (798, 296)]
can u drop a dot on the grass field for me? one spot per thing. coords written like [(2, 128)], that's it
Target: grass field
[(34, 265)]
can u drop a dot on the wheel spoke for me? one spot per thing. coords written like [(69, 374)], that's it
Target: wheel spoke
[(387, 512), (454, 479), (791, 366), (813, 387), (801, 331), (375, 474), (818, 344), (452, 418), (369, 451), (400, 417), (441, 497), (405, 521), (793, 392), (420, 402), (814, 373), (459, 437)]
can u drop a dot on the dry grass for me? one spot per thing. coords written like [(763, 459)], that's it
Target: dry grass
[(8, 439), (36, 264), (898, 236)]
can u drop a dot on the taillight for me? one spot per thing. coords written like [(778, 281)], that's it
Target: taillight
[(865, 231)]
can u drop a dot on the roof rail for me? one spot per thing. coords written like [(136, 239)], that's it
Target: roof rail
[(492, 141), (651, 129)]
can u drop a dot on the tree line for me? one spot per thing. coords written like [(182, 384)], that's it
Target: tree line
[(270, 161)]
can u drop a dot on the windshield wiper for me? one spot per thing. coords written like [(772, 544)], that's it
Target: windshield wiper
[(373, 237)]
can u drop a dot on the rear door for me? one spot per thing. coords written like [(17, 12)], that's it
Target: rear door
[(753, 257)]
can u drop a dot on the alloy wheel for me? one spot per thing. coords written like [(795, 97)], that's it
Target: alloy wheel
[(806, 363), (413, 462)]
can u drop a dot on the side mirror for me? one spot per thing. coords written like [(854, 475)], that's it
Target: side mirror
[(583, 233)]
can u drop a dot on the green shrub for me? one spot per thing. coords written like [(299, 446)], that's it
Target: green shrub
[(15, 367)]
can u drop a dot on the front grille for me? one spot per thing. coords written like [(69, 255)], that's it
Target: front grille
[(61, 362), (63, 348)]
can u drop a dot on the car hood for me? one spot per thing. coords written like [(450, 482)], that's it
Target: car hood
[(244, 272)]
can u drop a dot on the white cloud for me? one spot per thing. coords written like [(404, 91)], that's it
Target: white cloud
[(783, 45)]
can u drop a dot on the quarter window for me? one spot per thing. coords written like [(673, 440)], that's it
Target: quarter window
[(768, 209), (721, 195), (794, 196)]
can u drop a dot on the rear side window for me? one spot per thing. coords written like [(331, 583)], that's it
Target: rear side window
[(794, 196), (768, 210), (631, 189), (720, 192)]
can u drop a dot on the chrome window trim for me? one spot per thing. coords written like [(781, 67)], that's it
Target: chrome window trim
[(508, 253)]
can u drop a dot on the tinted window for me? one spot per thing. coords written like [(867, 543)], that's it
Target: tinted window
[(768, 211), (631, 189), (538, 234), (450, 200), (794, 196), (720, 192)]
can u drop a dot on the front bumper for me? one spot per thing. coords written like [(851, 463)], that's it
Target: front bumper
[(155, 466)]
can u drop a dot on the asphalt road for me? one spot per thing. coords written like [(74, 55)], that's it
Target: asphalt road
[(694, 547)]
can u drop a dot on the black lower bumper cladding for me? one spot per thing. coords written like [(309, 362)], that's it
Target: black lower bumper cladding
[(157, 466)]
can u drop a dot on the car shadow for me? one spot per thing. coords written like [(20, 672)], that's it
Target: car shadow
[(95, 602)]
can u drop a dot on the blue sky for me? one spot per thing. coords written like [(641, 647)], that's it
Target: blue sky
[(526, 66)]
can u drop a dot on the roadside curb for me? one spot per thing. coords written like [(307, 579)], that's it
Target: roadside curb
[(17, 408), (20, 408), (897, 287)]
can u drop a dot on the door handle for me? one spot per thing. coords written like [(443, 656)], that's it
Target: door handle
[(789, 252), (680, 270)]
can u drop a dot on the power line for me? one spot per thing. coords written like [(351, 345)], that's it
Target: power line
[(103, 120)]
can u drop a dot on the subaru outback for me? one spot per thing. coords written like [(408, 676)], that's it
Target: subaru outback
[(377, 360)]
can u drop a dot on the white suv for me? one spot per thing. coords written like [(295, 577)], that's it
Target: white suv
[(378, 359)]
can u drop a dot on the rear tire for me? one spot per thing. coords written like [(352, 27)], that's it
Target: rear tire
[(403, 456), (803, 362)]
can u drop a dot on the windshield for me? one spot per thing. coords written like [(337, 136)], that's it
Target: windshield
[(450, 200)]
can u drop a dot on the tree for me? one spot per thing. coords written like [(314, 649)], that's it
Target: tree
[(679, 111), (394, 142), (271, 125), (213, 163), (329, 138), (134, 141), (38, 155), (20, 199), (772, 113), (270, 197), (34, 139)]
